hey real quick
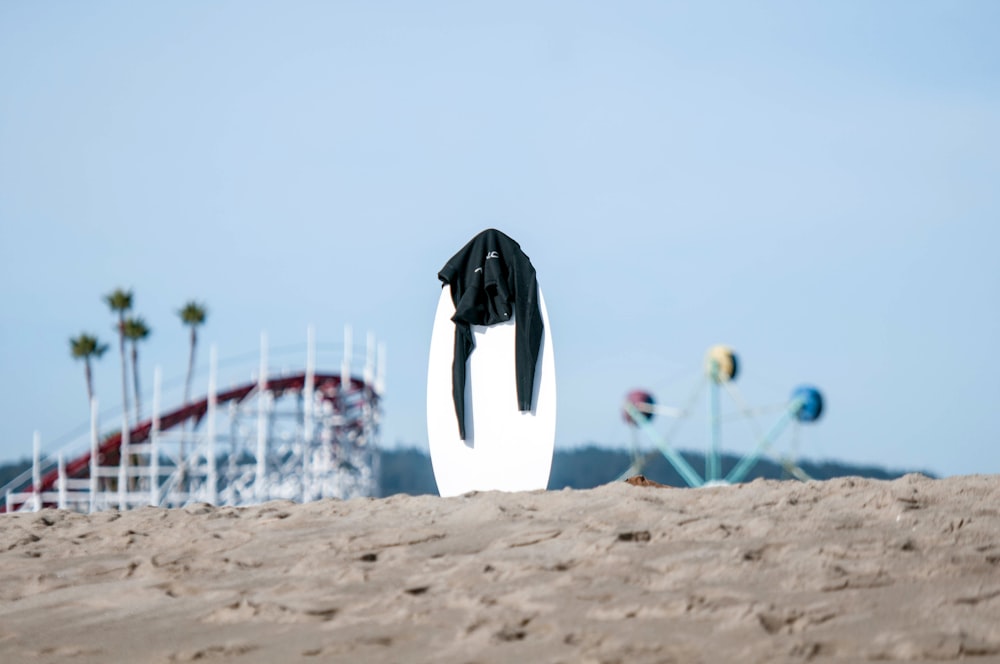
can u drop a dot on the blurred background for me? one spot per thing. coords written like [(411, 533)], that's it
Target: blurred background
[(813, 184)]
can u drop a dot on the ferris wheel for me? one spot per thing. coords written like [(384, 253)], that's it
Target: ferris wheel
[(804, 406)]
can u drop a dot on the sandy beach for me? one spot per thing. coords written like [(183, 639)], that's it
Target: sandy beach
[(844, 570)]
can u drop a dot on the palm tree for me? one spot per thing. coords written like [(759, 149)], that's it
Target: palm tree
[(83, 348), (120, 301), (192, 315), (135, 330)]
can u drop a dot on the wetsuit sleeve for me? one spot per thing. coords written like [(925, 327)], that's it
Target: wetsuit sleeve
[(463, 346), (528, 334), (456, 276)]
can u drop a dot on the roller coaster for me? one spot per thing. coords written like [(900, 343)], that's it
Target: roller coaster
[(303, 435)]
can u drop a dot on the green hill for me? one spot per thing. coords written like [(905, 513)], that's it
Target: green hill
[(409, 470)]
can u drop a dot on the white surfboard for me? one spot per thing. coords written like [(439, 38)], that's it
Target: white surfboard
[(505, 449)]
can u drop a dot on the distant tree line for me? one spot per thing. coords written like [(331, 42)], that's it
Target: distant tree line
[(409, 470)]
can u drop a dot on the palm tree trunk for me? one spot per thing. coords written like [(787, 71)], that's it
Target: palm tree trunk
[(134, 458), (121, 349), (135, 381), (113, 483), (187, 400), (90, 381), (190, 371)]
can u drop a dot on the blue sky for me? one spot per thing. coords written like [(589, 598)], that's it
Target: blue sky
[(814, 184)]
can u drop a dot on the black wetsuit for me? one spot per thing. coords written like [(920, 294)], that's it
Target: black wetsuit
[(490, 279)]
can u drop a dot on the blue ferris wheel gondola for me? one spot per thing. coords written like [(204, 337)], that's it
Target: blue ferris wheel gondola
[(810, 403)]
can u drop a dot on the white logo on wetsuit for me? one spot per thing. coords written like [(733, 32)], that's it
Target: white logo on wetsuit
[(489, 255)]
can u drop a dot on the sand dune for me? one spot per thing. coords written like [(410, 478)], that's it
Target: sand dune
[(844, 570)]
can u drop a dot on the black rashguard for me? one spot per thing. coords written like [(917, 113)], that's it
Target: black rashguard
[(491, 278)]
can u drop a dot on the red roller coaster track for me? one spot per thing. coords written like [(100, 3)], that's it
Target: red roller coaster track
[(109, 449)]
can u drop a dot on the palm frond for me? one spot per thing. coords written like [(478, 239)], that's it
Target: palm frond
[(135, 329), (85, 346), (119, 300), (193, 313)]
